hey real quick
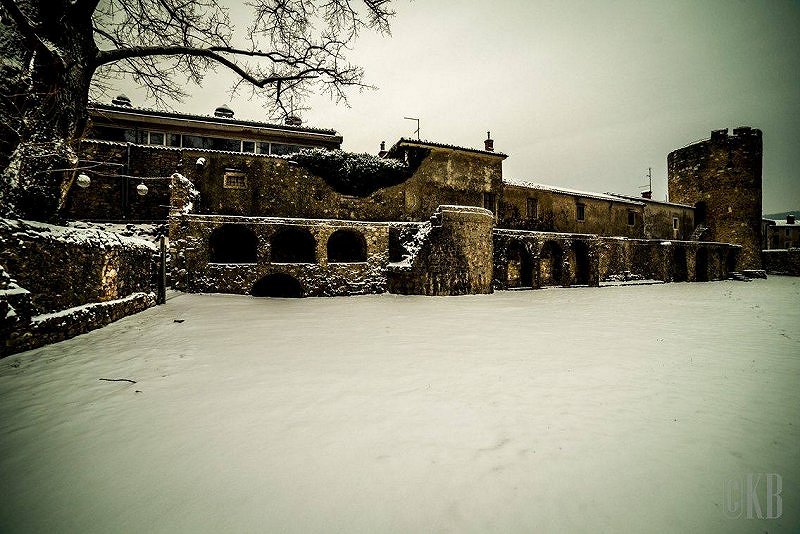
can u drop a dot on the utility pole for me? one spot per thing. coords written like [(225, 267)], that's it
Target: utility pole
[(414, 119)]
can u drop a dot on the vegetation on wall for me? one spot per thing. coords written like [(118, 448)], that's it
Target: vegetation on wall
[(353, 174)]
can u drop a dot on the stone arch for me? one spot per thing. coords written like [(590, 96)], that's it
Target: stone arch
[(347, 246), (680, 270), (233, 243), (280, 285), (550, 259), (582, 262), (701, 265), (293, 245), (519, 266)]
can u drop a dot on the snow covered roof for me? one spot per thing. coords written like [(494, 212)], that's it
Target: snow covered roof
[(573, 192), (650, 200), (407, 141), (149, 112)]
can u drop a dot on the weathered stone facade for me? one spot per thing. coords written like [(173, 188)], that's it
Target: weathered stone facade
[(721, 177), (782, 261), (453, 255)]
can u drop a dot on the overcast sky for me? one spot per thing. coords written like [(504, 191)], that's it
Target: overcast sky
[(585, 95)]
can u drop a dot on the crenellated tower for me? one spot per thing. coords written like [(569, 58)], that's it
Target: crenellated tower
[(721, 178)]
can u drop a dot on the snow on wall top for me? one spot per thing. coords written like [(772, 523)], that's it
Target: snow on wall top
[(79, 236)]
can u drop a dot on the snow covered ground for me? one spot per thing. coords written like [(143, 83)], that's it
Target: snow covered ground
[(613, 409)]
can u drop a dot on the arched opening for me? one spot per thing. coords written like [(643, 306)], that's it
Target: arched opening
[(680, 272), (519, 270), (550, 260), (700, 213), (293, 245), (280, 285), (233, 243), (701, 266), (730, 262), (347, 246), (581, 250)]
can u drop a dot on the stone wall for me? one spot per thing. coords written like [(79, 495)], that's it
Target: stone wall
[(196, 269), (451, 256), (721, 177), (557, 212), (277, 187), (782, 261), (57, 282), (659, 220)]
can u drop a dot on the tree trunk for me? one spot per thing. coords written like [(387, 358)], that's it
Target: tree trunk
[(46, 107)]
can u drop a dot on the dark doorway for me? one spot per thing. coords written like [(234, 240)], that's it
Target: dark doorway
[(293, 245), (550, 260), (280, 285), (233, 243), (519, 270), (700, 213), (701, 266), (730, 262), (346, 246), (680, 272), (581, 250)]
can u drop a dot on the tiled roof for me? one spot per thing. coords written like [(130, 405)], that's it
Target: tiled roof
[(406, 140)]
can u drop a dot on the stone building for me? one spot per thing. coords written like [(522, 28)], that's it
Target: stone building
[(721, 178), (423, 217), (782, 234)]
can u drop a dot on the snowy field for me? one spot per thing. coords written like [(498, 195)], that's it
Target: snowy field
[(614, 409)]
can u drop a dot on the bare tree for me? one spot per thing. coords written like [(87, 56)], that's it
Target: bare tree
[(52, 52)]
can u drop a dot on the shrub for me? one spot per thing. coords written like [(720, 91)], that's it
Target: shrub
[(352, 174)]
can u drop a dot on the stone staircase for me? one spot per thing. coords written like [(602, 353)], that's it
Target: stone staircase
[(698, 232)]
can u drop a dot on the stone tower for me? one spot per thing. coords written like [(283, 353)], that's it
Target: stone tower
[(721, 177)]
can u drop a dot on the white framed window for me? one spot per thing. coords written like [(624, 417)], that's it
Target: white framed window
[(675, 223), (155, 138), (248, 146)]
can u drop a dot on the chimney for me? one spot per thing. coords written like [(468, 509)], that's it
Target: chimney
[(382, 153), (790, 219), (122, 100), (489, 143), (647, 194)]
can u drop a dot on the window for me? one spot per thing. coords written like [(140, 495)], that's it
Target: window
[(279, 149), (631, 218), (220, 143), (580, 211), (674, 223), (263, 148), (489, 200), (533, 208), (234, 180), (174, 139), (788, 232), (248, 146), (156, 138), (192, 141)]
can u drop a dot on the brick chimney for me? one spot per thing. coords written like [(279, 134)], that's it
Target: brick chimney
[(382, 153), (647, 194), (489, 143), (790, 219)]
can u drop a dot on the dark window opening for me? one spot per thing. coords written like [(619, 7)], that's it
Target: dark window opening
[(174, 139), (233, 243), (533, 208), (192, 141), (489, 201), (700, 213), (396, 249), (280, 149), (279, 285), (109, 133), (631, 218), (730, 261), (156, 138), (293, 245), (580, 211), (248, 146), (674, 223), (346, 246)]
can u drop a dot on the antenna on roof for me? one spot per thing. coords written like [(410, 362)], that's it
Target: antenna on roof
[(649, 192), (414, 119)]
